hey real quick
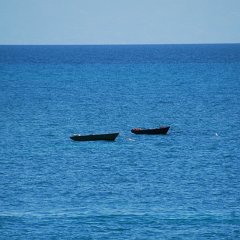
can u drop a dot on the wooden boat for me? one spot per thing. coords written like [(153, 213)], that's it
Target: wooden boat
[(153, 131), (95, 137)]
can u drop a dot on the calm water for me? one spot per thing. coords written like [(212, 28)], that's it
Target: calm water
[(185, 185)]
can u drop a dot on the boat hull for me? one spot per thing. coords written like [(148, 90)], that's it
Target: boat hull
[(95, 137), (154, 131)]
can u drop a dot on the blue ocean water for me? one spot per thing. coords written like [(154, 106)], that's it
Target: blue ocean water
[(185, 185)]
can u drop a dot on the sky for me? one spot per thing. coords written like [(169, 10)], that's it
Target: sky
[(119, 21)]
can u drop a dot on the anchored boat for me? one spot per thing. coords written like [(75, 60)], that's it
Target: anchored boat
[(153, 131), (95, 137)]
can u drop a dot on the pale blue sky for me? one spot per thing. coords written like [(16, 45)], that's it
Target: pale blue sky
[(119, 21)]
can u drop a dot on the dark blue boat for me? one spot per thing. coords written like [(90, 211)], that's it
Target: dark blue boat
[(95, 137)]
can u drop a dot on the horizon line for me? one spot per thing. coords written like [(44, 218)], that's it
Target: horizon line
[(114, 44)]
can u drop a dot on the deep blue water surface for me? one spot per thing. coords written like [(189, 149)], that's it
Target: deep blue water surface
[(185, 185)]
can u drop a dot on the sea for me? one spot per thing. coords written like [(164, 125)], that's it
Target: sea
[(183, 185)]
